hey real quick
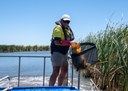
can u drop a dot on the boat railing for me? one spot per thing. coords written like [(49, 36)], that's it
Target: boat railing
[(44, 70)]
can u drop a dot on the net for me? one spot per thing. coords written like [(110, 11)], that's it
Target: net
[(87, 56)]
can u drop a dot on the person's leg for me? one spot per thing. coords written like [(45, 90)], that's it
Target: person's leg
[(63, 72), (56, 60), (54, 76)]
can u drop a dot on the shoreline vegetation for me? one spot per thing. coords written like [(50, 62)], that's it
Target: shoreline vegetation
[(111, 72), (22, 48)]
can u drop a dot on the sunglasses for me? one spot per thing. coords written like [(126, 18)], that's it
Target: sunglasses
[(67, 22)]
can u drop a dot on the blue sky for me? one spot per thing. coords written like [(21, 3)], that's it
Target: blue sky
[(30, 22)]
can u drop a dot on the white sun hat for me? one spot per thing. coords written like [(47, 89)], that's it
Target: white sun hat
[(66, 17)]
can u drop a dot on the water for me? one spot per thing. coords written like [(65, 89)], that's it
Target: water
[(30, 66)]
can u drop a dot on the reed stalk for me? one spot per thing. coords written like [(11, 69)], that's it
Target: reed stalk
[(112, 45)]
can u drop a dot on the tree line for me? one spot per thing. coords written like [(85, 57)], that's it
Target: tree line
[(21, 48)]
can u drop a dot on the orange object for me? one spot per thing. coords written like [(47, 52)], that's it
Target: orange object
[(78, 50), (75, 45), (78, 45)]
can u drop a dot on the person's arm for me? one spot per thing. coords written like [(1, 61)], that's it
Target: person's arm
[(59, 42)]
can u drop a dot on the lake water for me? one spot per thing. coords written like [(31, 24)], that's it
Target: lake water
[(30, 66)]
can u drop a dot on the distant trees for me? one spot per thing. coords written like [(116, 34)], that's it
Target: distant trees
[(18, 48)]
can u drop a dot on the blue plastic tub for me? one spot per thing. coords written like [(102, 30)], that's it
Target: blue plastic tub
[(55, 88)]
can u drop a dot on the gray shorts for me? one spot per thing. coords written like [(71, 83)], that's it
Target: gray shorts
[(59, 59)]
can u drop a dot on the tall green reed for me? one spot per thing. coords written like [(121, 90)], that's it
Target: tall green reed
[(112, 70)]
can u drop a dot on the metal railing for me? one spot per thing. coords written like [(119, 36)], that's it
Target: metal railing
[(19, 65), (44, 69)]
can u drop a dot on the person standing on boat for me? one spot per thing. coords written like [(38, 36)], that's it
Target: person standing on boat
[(61, 37)]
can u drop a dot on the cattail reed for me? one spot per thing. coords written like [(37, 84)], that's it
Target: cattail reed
[(111, 72)]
